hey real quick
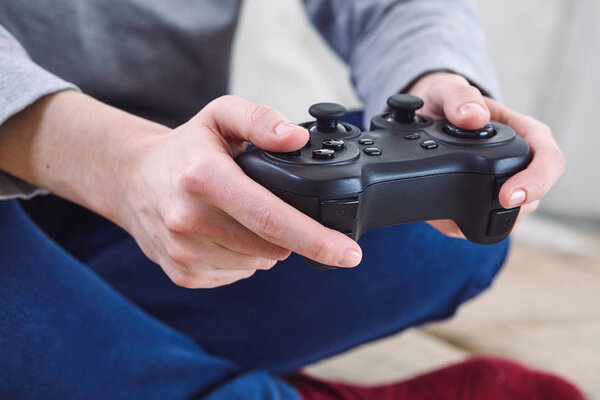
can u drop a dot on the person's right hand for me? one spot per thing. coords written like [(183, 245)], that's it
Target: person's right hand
[(194, 212)]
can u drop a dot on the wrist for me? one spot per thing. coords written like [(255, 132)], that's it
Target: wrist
[(131, 159), (68, 143)]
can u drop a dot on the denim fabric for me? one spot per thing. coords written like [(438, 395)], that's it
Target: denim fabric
[(66, 334)]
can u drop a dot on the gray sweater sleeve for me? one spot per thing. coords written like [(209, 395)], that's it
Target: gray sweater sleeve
[(22, 82), (390, 43)]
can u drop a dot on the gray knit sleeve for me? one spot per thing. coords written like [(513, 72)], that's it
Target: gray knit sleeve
[(390, 43), (22, 82)]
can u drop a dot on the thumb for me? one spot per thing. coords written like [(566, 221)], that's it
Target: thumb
[(240, 120), (462, 104)]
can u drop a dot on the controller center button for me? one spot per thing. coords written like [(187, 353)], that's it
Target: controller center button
[(366, 142), (502, 221), (373, 151), (333, 144), (412, 136), (484, 133), (323, 154), (429, 144)]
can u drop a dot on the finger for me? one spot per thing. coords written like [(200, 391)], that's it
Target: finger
[(462, 104), (198, 255), (447, 227), (272, 219), (546, 166), (206, 279), (238, 119), (193, 220)]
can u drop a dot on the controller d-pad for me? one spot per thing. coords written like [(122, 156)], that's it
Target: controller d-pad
[(333, 144), (366, 142), (486, 132), (412, 136), (323, 154)]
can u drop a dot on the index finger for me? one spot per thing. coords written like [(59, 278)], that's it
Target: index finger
[(546, 166), (271, 218)]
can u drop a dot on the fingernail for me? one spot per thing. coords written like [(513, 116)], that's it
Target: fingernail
[(350, 258), (470, 108), (285, 127), (517, 198)]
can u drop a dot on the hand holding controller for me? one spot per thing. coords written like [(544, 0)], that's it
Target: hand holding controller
[(406, 168)]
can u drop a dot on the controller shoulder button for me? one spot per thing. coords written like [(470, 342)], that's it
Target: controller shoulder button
[(502, 221)]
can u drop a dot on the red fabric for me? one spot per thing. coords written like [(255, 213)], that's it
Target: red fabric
[(485, 378)]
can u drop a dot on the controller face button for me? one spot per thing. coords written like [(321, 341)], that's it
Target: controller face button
[(333, 144), (323, 154), (484, 133), (502, 221), (373, 151), (412, 136), (429, 144), (366, 142)]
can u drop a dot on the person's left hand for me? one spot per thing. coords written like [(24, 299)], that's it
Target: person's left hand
[(453, 97)]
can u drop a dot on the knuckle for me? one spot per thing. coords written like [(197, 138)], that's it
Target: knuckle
[(321, 253), (468, 92), (260, 115), (185, 280), (279, 253), (267, 223), (264, 264), (198, 179), (442, 80), (560, 160), (538, 189), (178, 253), (178, 220), (222, 101)]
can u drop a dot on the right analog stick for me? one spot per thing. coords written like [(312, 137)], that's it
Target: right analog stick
[(403, 107)]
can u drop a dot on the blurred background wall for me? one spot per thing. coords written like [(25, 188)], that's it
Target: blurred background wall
[(547, 57)]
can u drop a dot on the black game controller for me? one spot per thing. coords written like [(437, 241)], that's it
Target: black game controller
[(406, 168)]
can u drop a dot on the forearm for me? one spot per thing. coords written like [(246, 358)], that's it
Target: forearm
[(390, 43), (69, 144)]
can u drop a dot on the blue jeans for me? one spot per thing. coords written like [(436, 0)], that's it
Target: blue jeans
[(105, 322)]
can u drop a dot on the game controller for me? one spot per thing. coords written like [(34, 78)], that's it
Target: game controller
[(406, 168)]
